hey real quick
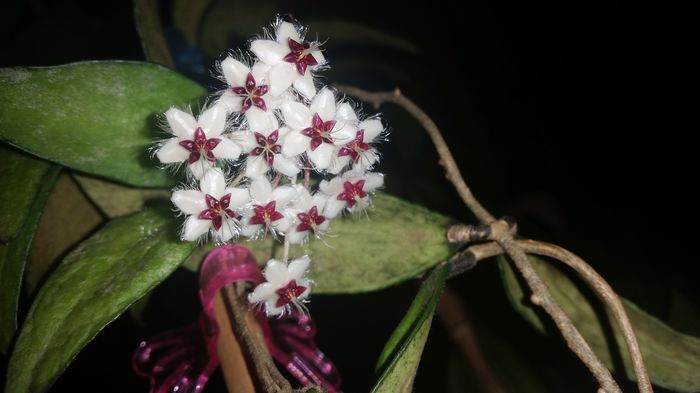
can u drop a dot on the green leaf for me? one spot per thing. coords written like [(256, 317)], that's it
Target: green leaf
[(672, 358), (399, 360), (26, 182), (395, 242), (95, 117), (91, 287), (115, 200)]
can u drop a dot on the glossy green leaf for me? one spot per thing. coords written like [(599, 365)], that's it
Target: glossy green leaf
[(26, 182), (394, 242), (91, 287), (399, 360), (96, 117), (672, 358), (115, 200)]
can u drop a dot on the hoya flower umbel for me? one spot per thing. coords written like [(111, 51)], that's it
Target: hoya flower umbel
[(291, 59), (263, 142), (306, 215), (265, 215), (198, 142), (316, 130), (213, 208), (351, 191), (286, 287)]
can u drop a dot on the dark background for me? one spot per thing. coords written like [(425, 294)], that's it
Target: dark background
[(573, 117)]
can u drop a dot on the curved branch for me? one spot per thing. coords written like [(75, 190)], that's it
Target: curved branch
[(540, 293)]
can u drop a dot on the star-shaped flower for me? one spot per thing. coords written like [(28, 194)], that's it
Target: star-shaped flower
[(213, 208), (197, 141), (306, 215), (291, 60), (286, 287), (248, 88), (359, 152), (316, 130), (267, 207), (349, 191), (263, 142)]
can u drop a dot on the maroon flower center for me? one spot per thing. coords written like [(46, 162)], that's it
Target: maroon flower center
[(319, 132), (217, 208), (352, 192), (309, 221), (355, 148), (267, 147), (200, 146), (289, 293), (251, 93), (300, 55), (265, 214)]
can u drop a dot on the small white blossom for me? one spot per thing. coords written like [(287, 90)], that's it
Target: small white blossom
[(197, 141), (263, 143), (214, 207), (248, 87), (316, 130), (291, 60), (350, 190), (267, 207), (359, 152), (306, 215), (286, 286)]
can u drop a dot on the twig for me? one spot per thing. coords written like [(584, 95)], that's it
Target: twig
[(540, 293), (244, 326), (458, 324), (151, 31)]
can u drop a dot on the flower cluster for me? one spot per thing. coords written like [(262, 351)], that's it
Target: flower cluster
[(269, 130)]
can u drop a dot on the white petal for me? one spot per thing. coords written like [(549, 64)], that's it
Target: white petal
[(373, 181), (285, 166), (333, 207), (273, 311), (276, 273), (268, 51), (294, 144), (281, 225), (189, 201), (296, 237), (305, 85), (367, 159), (338, 163), (256, 166), (245, 139), (239, 197), (321, 157), (194, 228), (260, 190), (260, 121), (283, 195), (319, 200), (281, 77), (213, 183), (297, 268), (198, 168), (346, 112), (230, 101), (227, 231), (306, 284), (262, 292), (372, 127), (332, 187), (343, 133), (318, 55), (259, 72), (171, 152), (324, 104), (182, 123), (213, 121), (227, 149), (296, 115), (235, 72), (287, 30)]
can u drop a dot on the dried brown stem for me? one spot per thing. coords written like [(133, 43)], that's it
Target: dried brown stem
[(457, 322), (540, 292), (267, 378)]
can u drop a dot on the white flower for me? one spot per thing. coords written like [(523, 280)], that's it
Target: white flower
[(197, 141), (267, 207), (359, 152), (291, 60), (306, 215), (286, 286), (316, 130), (349, 190), (214, 208), (248, 88), (263, 143)]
